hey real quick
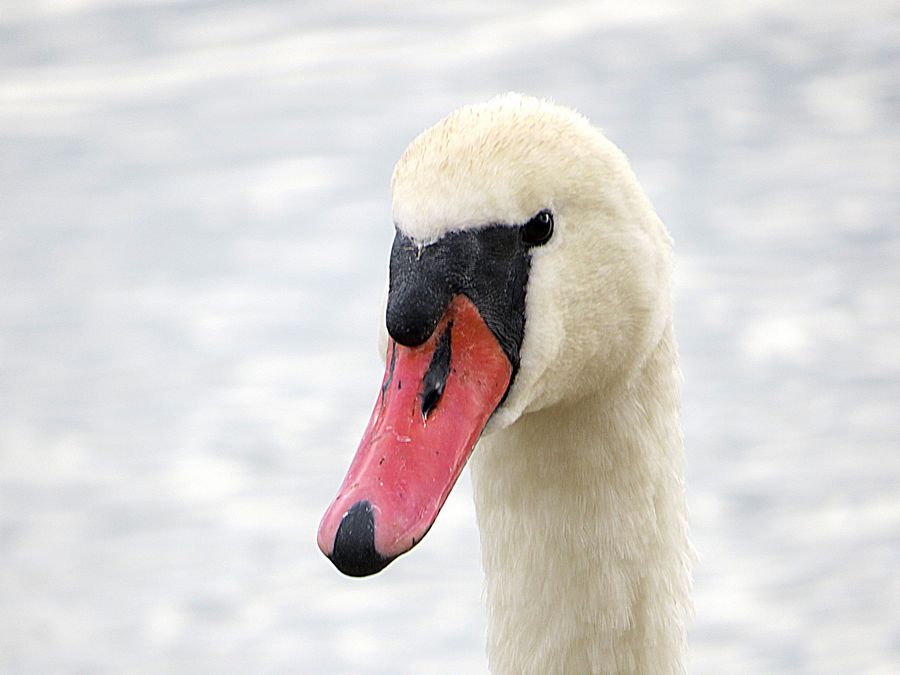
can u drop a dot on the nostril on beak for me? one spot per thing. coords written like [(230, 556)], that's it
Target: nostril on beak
[(438, 370), (354, 551)]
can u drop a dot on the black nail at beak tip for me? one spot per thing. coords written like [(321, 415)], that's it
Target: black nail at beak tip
[(354, 551)]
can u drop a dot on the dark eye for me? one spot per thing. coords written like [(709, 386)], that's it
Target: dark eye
[(538, 230)]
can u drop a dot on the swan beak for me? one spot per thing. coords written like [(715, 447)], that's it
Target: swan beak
[(434, 402)]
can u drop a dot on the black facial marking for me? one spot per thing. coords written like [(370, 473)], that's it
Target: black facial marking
[(438, 369), (489, 265)]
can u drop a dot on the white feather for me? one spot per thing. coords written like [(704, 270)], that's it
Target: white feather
[(578, 478)]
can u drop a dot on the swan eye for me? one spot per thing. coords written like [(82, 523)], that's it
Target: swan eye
[(539, 229)]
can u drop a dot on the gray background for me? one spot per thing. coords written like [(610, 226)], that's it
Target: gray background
[(194, 227)]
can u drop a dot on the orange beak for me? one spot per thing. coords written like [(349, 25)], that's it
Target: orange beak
[(434, 402)]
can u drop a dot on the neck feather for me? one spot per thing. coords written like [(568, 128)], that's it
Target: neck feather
[(583, 531)]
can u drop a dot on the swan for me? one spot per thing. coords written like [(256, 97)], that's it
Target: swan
[(528, 332)]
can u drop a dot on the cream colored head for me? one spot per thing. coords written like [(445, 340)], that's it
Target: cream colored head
[(598, 291)]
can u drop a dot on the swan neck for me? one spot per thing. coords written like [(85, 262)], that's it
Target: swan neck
[(584, 536)]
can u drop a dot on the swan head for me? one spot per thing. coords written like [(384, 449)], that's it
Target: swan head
[(528, 269)]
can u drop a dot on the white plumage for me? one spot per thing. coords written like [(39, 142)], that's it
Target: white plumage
[(578, 478)]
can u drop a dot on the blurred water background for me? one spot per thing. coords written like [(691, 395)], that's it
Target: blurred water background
[(194, 228)]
